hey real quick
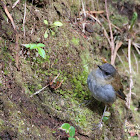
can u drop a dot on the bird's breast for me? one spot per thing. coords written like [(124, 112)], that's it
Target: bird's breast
[(100, 89)]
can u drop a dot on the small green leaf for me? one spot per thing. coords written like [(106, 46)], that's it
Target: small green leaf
[(46, 22), (107, 114), (29, 45), (46, 35), (26, 45), (41, 52), (71, 138), (53, 131), (133, 20), (33, 46), (105, 119), (40, 45), (57, 23), (52, 33), (72, 131), (134, 17), (65, 126)]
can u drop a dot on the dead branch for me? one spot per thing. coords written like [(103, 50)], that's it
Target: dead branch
[(136, 45), (17, 35), (8, 14), (125, 55), (15, 3), (24, 19), (118, 45), (50, 84), (121, 61), (112, 24), (39, 91), (17, 51), (105, 32)]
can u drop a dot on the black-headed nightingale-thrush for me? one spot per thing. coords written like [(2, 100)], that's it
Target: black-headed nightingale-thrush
[(105, 85)]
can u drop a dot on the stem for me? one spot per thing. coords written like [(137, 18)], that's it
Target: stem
[(112, 46), (130, 72)]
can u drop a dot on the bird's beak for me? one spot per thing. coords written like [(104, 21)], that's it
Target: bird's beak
[(99, 66)]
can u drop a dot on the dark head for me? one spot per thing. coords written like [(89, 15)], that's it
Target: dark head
[(107, 70)]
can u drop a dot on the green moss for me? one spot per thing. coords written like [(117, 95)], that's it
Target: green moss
[(78, 83), (75, 41), (119, 20), (1, 122), (56, 106)]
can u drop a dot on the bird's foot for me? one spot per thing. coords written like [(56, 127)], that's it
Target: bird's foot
[(98, 126), (85, 103)]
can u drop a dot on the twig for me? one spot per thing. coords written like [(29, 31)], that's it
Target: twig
[(118, 45), (17, 35), (48, 85), (137, 65), (136, 45), (127, 60), (112, 45), (54, 79), (105, 32), (125, 55), (15, 3), (39, 90), (130, 73), (83, 24), (33, 27), (112, 24), (77, 138), (59, 85), (24, 19), (8, 14), (121, 61), (17, 51), (83, 8), (91, 12)]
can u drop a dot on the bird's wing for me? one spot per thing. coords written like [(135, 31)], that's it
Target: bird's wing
[(118, 87)]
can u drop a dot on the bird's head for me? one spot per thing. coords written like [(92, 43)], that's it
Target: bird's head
[(108, 71)]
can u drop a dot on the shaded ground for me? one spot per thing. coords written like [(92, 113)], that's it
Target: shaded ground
[(70, 53)]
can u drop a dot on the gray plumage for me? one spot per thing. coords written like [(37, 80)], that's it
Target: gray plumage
[(99, 83)]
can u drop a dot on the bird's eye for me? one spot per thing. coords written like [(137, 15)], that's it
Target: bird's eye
[(107, 73)]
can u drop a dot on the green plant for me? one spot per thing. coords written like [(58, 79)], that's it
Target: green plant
[(106, 116), (51, 28), (69, 129), (133, 20), (38, 46)]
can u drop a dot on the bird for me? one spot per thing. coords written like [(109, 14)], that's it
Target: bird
[(105, 85)]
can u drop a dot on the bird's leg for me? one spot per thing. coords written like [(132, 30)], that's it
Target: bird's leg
[(103, 113), (100, 124), (85, 103)]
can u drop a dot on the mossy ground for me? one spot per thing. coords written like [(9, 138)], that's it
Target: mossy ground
[(69, 53)]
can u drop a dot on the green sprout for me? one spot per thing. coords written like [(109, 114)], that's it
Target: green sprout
[(51, 28), (106, 116), (133, 20), (38, 46), (69, 129)]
